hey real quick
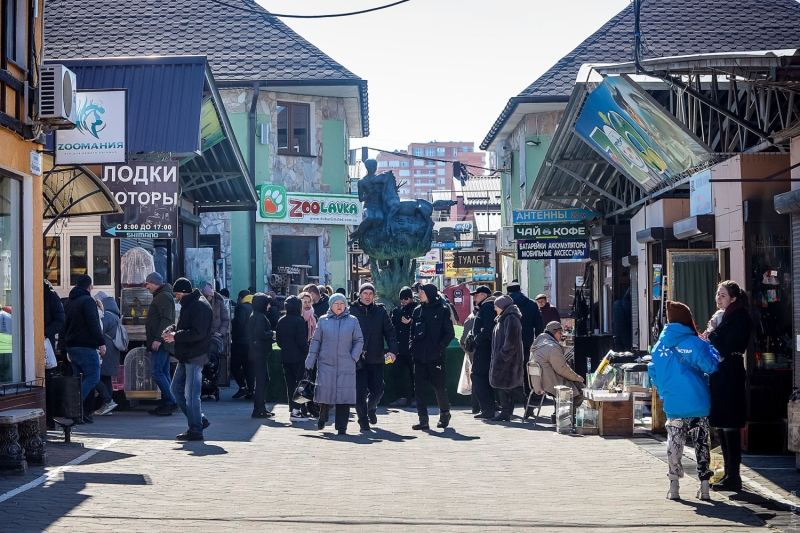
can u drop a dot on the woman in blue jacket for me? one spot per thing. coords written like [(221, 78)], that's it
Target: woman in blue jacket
[(681, 362)]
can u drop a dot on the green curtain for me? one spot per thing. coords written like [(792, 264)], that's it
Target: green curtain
[(694, 284)]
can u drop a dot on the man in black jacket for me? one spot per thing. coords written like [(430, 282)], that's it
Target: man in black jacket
[(84, 339), (532, 327), (160, 315), (403, 367), (376, 326), (261, 337), (54, 321), (240, 347), (482, 358), (192, 338), (432, 332), (291, 335)]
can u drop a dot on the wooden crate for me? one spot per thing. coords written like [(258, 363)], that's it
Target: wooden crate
[(659, 416), (616, 418)]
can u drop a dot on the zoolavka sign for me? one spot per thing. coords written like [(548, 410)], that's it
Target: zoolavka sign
[(279, 206), (530, 216), (101, 130), (552, 231)]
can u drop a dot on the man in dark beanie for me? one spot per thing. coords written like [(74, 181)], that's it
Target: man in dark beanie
[(84, 339), (432, 331), (403, 369), (192, 338), (376, 327), (160, 315), (531, 324), (482, 358)]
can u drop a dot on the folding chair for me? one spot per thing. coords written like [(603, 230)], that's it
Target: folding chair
[(535, 383)]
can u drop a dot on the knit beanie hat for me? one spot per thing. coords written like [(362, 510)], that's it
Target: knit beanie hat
[(503, 301), (182, 285), (679, 313), (366, 287), (208, 289), (406, 292), (336, 297)]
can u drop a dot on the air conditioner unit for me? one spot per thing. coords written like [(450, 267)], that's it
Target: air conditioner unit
[(505, 240), (57, 97)]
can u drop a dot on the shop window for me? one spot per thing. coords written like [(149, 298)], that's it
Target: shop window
[(294, 127), (293, 251), (78, 258), (52, 260), (101, 257), (11, 313)]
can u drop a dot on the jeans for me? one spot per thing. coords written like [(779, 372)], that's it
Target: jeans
[(241, 368), (85, 361), (433, 374), (480, 381), (159, 369), (342, 414), (260, 365), (677, 431), (186, 386), (293, 373), (403, 374), (369, 390)]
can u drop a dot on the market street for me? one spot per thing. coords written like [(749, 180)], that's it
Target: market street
[(251, 475)]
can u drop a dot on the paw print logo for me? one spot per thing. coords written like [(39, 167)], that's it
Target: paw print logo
[(273, 201)]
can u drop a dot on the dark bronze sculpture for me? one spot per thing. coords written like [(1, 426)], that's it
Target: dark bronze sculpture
[(393, 232)]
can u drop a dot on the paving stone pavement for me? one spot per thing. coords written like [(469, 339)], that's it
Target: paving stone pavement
[(255, 475)]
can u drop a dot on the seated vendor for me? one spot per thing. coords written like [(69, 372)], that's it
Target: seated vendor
[(549, 353)]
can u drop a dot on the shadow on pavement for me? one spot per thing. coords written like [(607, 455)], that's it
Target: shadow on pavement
[(449, 433), (201, 449), (721, 510)]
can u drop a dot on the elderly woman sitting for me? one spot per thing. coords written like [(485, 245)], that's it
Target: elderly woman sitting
[(549, 353)]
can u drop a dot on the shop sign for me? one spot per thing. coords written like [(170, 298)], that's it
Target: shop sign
[(471, 259), (560, 249), (439, 269), (700, 202), (458, 296), (148, 195), (638, 136), (579, 230), (450, 271), (530, 216), (433, 256), (657, 282), (101, 130), (36, 163), (483, 274), (279, 206), (451, 245), (427, 271)]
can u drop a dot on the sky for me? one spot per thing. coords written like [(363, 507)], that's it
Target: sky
[(444, 70)]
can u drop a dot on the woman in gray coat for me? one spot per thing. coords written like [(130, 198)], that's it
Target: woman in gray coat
[(335, 348), (508, 358)]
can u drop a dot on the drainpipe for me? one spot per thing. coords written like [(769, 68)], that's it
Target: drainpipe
[(252, 146)]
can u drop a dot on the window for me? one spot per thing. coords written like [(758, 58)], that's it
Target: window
[(288, 251), (430, 173), (430, 152), (14, 16), (294, 127), (101, 261), (440, 152), (466, 149), (440, 163), (10, 323), (404, 163), (417, 172), (419, 162), (78, 258), (441, 181), (52, 260), (394, 164), (383, 164), (405, 191), (455, 152), (430, 163), (417, 182), (430, 182), (419, 152), (440, 172), (404, 173)]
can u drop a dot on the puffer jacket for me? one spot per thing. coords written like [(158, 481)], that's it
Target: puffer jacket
[(439, 330), (375, 326), (291, 333), (239, 332), (335, 348), (83, 327), (110, 363), (160, 315), (555, 371), (683, 385), (508, 356), (261, 334), (222, 318)]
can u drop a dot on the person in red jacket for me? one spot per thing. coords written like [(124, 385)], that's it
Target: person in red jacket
[(549, 313)]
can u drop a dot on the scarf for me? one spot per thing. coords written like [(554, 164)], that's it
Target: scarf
[(311, 321), (734, 306)]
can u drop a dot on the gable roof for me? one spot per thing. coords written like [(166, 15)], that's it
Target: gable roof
[(242, 47), (669, 28)]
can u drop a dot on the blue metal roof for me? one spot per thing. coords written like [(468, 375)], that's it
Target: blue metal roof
[(164, 97)]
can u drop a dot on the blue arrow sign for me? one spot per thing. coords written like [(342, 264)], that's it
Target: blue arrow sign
[(552, 215), (113, 231)]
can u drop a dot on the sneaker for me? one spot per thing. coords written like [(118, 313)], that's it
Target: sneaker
[(206, 423), (106, 408), (421, 426), (364, 427), (261, 414), (240, 393), (297, 416), (88, 419), (702, 492), (168, 409), (373, 418), (400, 402), (674, 490), (249, 395), (485, 416), (502, 417), (189, 436)]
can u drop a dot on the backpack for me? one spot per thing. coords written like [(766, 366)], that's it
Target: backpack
[(120, 339)]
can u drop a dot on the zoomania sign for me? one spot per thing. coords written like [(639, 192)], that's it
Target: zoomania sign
[(278, 205)]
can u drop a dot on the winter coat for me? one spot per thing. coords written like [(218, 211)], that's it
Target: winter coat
[(239, 332), (321, 307), (468, 323), (160, 316), (54, 316), (222, 318), (193, 332), (261, 334), (291, 333), (335, 348), (403, 331), (508, 355), (555, 371), (483, 327), (549, 314), (682, 385), (83, 327), (110, 364), (728, 400), (375, 326), (274, 314), (439, 331), (531, 319)]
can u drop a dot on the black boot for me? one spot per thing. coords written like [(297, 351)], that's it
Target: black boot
[(731, 444), (444, 419)]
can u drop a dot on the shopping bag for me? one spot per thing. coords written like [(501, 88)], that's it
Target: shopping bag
[(304, 392), (49, 355), (465, 381)]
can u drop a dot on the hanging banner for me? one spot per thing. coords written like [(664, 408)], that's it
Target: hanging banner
[(579, 230), (148, 195), (276, 205), (657, 282), (483, 274), (560, 249), (427, 271), (700, 201), (101, 130), (452, 245), (471, 259), (529, 216)]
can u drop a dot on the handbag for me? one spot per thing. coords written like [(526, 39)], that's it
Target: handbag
[(304, 392), (469, 343), (49, 355)]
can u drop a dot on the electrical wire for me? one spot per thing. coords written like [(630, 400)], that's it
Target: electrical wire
[(332, 15), (421, 158)]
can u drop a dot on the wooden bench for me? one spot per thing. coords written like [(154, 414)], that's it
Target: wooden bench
[(20, 442)]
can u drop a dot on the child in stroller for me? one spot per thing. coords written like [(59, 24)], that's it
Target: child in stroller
[(211, 369)]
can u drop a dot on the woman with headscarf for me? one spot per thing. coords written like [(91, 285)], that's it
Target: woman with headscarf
[(679, 370), (291, 334), (508, 355), (335, 348), (728, 402)]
